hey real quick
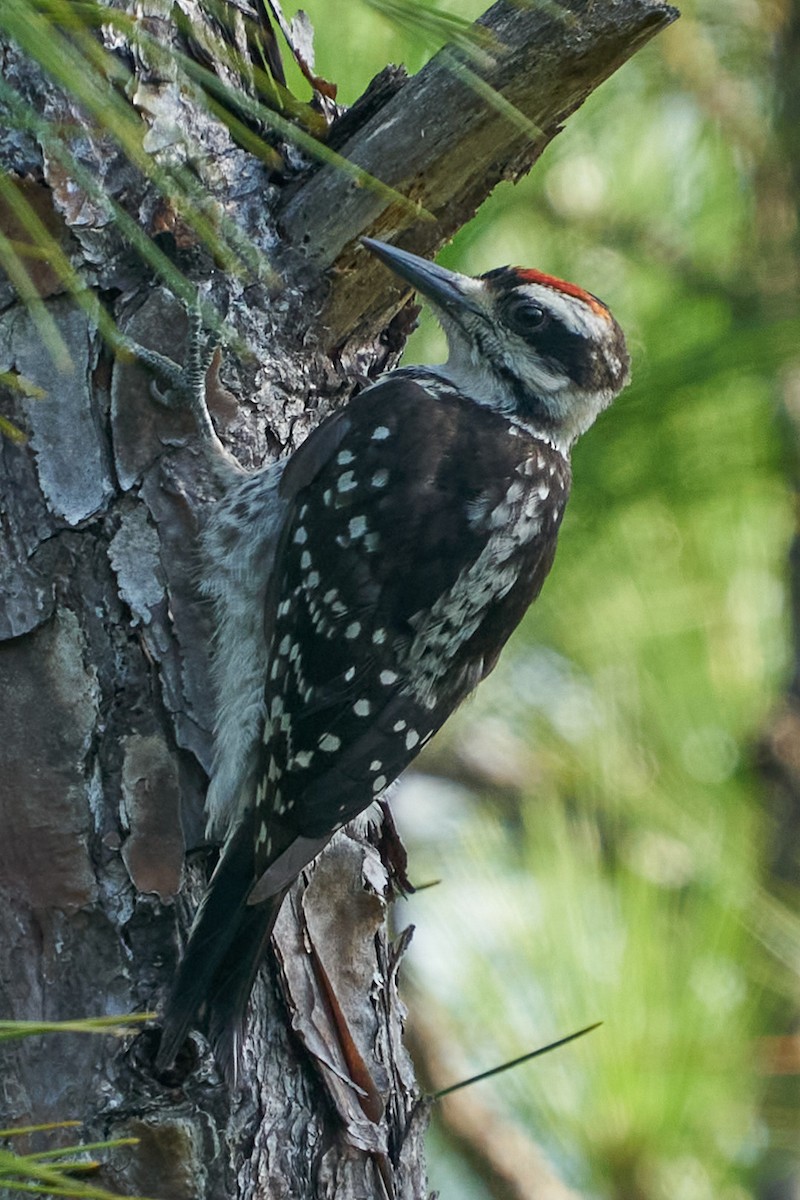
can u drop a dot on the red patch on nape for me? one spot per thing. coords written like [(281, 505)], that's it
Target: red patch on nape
[(561, 285)]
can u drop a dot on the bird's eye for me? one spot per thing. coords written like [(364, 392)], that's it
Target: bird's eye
[(524, 316)]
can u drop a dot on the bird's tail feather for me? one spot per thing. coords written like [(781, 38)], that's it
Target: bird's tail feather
[(233, 984), (220, 962)]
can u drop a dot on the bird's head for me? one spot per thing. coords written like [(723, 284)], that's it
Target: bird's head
[(545, 353)]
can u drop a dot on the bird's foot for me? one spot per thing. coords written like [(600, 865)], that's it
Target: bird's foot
[(180, 387)]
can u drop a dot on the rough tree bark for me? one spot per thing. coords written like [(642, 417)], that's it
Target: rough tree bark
[(105, 705)]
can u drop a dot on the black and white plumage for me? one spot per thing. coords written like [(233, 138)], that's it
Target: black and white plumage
[(364, 588)]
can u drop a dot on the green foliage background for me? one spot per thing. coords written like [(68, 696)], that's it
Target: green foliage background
[(622, 872), (604, 840)]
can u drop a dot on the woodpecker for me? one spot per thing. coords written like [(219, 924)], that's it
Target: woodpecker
[(364, 587)]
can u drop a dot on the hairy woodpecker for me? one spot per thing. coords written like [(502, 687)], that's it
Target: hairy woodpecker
[(365, 586)]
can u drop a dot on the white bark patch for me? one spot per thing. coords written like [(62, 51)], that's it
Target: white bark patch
[(134, 555), (70, 457)]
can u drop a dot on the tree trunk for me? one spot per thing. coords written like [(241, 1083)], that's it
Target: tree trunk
[(105, 703)]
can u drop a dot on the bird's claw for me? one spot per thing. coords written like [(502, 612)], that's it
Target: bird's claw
[(181, 387)]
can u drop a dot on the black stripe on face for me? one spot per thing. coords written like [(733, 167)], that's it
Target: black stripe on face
[(559, 348), (569, 351), (562, 349)]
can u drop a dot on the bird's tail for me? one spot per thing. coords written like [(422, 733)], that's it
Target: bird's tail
[(226, 945), (226, 1010)]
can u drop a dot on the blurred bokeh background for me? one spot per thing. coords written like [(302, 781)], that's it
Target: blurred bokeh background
[(612, 823), (611, 828)]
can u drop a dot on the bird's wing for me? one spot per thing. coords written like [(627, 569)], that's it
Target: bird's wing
[(383, 593)]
